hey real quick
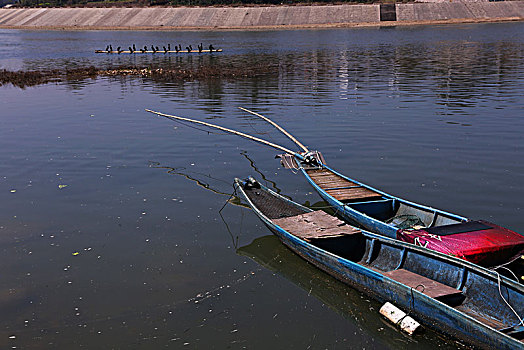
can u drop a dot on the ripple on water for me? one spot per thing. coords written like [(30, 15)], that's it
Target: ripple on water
[(432, 114)]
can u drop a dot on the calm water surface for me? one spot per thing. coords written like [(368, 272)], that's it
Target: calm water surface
[(111, 234)]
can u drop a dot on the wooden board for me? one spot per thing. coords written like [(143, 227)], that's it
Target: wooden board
[(490, 321), (423, 284), (316, 224), (340, 188), (354, 194)]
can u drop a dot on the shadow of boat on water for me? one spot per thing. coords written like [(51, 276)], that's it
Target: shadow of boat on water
[(349, 303)]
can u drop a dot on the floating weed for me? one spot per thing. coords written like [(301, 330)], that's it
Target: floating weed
[(170, 73)]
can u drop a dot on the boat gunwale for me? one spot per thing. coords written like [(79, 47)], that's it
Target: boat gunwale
[(424, 251), (389, 196), (302, 246)]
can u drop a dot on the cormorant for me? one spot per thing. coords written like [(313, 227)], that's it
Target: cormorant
[(107, 48), (118, 49), (200, 47), (111, 48), (134, 48), (165, 50), (130, 49), (180, 47), (153, 49), (188, 49), (211, 48), (168, 47)]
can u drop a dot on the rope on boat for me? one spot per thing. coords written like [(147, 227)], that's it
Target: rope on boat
[(512, 309), (233, 195), (503, 266), (235, 241), (511, 272), (411, 302)]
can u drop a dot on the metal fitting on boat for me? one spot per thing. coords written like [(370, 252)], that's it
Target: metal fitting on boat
[(251, 183)]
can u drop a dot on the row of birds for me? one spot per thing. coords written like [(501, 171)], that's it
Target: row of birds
[(155, 49)]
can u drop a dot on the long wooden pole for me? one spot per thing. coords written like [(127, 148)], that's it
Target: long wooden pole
[(278, 127), (225, 129)]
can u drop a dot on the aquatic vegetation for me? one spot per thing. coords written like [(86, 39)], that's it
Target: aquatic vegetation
[(24, 79)]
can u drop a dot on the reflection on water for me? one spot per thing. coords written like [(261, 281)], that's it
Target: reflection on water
[(457, 74), (198, 179), (354, 306), (199, 182), (432, 114), (446, 69)]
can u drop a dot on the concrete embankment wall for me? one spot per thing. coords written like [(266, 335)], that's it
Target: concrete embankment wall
[(256, 17), (460, 10)]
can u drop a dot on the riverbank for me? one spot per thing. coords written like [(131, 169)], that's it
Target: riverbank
[(263, 17)]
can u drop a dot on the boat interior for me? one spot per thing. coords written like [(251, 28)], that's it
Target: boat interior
[(387, 209), (452, 283)]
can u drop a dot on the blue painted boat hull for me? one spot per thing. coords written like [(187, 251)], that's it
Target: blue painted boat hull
[(472, 320), (489, 247)]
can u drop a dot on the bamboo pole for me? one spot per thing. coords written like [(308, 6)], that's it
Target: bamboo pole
[(278, 127), (225, 129)]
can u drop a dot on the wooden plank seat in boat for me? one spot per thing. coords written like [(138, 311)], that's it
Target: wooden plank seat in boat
[(490, 321), (339, 187), (316, 224), (423, 284)]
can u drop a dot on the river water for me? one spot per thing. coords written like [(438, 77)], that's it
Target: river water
[(111, 229)]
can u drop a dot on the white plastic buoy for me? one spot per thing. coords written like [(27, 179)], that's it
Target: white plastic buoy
[(399, 317)]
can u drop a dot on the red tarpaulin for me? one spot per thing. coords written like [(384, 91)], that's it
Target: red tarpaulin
[(488, 245)]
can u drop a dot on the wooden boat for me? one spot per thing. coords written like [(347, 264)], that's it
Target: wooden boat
[(478, 241), (449, 294), (481, 242), (159, 51)]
